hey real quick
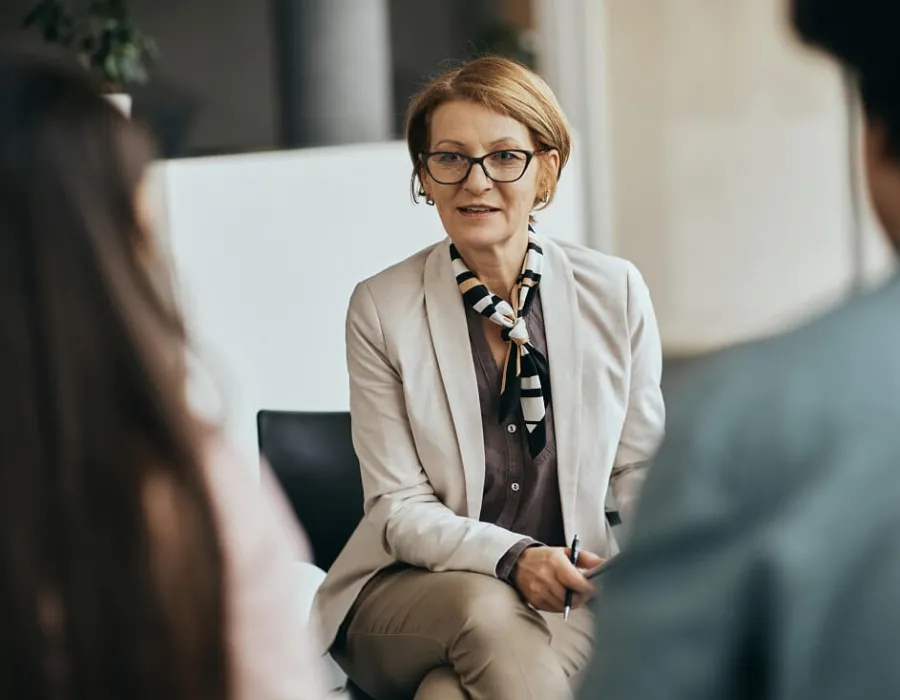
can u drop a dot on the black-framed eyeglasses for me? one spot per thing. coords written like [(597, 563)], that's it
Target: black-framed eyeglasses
[(450, 168)]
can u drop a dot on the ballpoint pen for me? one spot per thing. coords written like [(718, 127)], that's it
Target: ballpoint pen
[(574, 560)]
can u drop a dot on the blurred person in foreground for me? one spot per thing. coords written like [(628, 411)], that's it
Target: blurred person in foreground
[(501, 383), (138, 560), (765, 559)]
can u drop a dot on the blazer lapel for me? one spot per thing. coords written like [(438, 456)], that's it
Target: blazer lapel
[(559, 299), (450, 337)]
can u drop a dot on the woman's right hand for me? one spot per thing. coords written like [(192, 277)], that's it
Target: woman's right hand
[(542, 575)]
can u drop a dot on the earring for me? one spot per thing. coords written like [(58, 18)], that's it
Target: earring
[(422, 193), (546, 197)]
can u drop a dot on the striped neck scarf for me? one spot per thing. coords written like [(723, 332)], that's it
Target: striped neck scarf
[(526, 377)]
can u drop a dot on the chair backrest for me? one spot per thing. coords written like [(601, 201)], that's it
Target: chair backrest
[(312, 457)]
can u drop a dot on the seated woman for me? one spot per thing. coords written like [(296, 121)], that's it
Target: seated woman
[(500, 382), (138, 560)]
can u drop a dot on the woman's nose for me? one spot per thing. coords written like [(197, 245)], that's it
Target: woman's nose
[(477, 180)]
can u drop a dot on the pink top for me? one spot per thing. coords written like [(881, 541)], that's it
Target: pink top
[(272, 645)]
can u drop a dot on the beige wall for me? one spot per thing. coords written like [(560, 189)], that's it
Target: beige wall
[(728, 147)]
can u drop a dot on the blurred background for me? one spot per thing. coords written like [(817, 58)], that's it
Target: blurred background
[(711, 150), (234, 76)]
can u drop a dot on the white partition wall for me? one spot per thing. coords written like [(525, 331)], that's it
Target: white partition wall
[(268, 248)]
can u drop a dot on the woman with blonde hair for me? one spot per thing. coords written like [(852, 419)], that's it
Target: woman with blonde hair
[(138, 560), (500, 382)]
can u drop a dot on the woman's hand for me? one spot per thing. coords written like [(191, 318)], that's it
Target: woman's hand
[(542, 575)]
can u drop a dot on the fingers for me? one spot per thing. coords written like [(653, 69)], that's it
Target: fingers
[(557, 605), (555, 592), (553, 600), (545, 593), (573, 579), (551, 597), (588, 560), (545, 576)]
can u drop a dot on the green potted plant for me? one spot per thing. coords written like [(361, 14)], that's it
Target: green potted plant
[(104, 38), (508, 40)]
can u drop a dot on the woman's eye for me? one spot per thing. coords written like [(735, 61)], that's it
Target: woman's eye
[(508, 156), (449, 158)]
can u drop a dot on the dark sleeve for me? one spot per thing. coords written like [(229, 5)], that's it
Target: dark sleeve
[(508, 561), (672, 617)]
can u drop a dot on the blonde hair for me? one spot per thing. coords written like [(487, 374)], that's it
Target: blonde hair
[(502, 86)]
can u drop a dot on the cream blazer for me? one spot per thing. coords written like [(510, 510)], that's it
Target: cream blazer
[(417, 422)]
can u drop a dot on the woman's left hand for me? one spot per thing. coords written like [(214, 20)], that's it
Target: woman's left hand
[(543, 575)]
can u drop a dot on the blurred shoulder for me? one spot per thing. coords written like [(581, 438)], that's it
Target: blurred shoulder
[(250, 506), (772, 403), (272, 640), (823, 357)]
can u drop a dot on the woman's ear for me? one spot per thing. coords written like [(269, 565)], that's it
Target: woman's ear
[(552, 162), (424, 184), (549, 171), (547, 178)]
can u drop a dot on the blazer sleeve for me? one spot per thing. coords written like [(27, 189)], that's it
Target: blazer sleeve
[(415, 526), (645, 416)]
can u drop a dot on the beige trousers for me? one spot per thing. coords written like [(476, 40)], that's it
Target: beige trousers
[(457, 635)]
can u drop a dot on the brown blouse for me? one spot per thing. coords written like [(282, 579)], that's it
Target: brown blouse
[(521, 494)]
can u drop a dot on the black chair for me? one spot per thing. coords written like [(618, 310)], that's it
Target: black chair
[(312, 457)]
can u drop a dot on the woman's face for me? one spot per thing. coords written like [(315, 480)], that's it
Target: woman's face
[(479, 213)]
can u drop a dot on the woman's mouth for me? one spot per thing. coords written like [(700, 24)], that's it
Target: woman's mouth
[(477, 212)]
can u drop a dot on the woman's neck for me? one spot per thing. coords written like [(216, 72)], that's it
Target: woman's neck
[(498, 267)]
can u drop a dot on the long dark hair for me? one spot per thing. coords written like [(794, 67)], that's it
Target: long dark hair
[(111, 569)]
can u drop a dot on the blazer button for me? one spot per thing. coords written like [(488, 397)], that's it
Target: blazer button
[(511, 428), (515, 486)]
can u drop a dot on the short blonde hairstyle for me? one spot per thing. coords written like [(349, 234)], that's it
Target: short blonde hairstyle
[(502, 86)]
